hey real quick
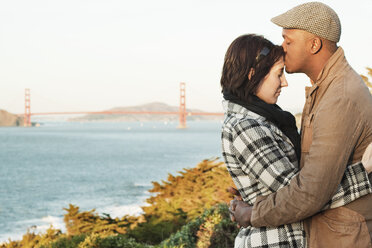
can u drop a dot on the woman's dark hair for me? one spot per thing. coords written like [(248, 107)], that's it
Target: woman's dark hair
[(246, 53)]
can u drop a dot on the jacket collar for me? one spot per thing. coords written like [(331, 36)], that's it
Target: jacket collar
[(233, 108), (240, 112), (329, 71), (334, 62)]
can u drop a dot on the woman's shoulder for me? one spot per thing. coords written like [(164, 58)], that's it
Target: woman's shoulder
[(249, 122), (238, 113), (239, 119)]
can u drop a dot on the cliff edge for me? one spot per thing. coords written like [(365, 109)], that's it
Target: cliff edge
[(9, 120)]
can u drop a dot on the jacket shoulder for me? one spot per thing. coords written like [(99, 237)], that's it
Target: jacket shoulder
[(349, 88)]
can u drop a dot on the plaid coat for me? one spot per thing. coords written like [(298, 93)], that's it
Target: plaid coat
[(261, 160)]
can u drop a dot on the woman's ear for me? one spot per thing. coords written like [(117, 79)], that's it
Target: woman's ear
[(251, 73)]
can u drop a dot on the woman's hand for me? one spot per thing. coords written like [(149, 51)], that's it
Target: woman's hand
[(367, 159)]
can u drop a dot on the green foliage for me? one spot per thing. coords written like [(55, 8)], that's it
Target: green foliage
[(97, 241), (90, 222), (190, 193), (212, 229), (153, 232), (31, 240), (117, 241), (66, 242), (182, 198), (365, 79)]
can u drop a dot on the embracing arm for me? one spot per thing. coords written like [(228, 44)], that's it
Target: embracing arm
[(316, 183), (275, 174), (367, 158)]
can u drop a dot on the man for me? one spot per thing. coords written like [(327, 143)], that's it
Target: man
[(336, 129)]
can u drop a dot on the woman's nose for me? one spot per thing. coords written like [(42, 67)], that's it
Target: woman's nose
[(283, 81)]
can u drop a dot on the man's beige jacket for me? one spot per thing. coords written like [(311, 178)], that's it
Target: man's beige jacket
[(336, 129)]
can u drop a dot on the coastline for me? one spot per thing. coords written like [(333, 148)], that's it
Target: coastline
[(40, 225), (95, 165)]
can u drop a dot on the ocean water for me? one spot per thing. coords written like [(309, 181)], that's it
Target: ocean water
[(104, 166)]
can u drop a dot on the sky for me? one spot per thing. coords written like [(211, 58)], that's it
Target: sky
[(93, 55)]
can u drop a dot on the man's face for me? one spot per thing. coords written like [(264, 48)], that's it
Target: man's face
[(295, 47)]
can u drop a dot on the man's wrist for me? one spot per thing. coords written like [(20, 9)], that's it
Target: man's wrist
[(248, 215)]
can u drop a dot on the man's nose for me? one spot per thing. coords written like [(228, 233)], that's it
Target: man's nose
[(284, 47)]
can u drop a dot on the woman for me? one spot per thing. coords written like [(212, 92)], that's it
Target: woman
[(261, 145)]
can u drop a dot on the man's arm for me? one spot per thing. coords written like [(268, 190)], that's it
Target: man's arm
[(325, 164), (354, 184), (367, 158)]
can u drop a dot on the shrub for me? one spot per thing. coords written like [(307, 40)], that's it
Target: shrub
[(212, 229)]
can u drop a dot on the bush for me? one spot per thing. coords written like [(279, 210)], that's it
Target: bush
[(118, 241), (66, 242), (212, 229), (181, 199)]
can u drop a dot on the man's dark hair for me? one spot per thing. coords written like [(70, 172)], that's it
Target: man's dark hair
[(248, 53)]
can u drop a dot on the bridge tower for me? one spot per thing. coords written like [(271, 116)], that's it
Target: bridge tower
[(27, 116), (182, 110)]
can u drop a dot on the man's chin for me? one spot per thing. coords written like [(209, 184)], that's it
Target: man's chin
[(288, 70)]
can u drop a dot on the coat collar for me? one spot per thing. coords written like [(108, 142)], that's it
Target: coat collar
[(328, 73), (240, 112)]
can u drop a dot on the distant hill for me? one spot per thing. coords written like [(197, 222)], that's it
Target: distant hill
[(151, 107), (8, 120)]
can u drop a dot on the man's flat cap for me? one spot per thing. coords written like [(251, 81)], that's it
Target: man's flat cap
[(313, 17)]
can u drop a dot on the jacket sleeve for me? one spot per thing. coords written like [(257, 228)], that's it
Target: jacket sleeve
[(354, 184), (336, 128)]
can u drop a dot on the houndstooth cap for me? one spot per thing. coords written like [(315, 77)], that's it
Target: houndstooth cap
[(314, 17)]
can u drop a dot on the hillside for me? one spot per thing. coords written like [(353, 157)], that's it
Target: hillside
[(8, 120), (149, 107)]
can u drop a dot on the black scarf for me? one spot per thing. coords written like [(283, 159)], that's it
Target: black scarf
[(284, 120)]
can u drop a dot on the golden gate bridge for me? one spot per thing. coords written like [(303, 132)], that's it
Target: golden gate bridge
[(182, 113)]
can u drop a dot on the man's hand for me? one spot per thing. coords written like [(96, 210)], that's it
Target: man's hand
[(235, 193), (367, 159), (237, 196), (240, 212)]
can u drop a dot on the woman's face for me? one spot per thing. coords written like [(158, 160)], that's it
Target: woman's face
[(271, 85)]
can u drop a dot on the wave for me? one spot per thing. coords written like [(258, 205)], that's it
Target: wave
[(120, 211), (33, 225), (42, 224), (143, 185)]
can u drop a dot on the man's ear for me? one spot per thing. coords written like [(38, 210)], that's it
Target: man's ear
[(316, 45), (251, 73)]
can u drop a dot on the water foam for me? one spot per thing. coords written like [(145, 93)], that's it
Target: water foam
[(142, 184), (35, 226), (120, 211)]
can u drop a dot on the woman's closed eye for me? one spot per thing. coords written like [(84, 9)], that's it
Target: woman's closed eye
[(281, 72)]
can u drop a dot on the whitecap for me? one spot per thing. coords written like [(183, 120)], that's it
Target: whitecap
[(5, 237), (142, 184), (33, 225), (120, 211)]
